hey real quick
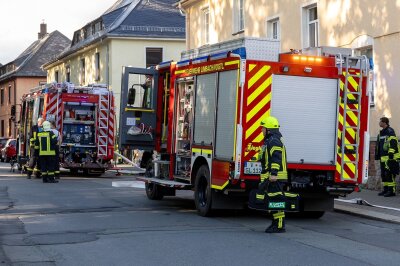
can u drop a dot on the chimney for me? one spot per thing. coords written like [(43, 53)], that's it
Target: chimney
[(43, 30)]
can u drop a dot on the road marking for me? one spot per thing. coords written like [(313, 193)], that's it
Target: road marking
[(136, 184)]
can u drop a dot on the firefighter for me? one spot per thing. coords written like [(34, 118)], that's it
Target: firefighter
[(274, 168), (57, 158), (33, 166), (388, 153), (45, 146)]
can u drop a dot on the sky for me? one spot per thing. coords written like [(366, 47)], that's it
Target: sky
[(20, 21)]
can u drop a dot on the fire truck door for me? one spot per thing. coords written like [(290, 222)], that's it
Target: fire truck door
[(138, 108)]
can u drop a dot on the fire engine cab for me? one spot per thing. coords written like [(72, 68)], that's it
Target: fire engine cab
[(84, 116), (202, 118)]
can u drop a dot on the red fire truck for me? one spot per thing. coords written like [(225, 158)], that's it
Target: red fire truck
[(202, 117), (83, 115)]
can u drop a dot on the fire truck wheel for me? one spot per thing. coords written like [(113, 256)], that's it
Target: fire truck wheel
[(153, 191), (203, 191)]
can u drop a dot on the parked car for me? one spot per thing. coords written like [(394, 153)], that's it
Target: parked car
[(9, 151), (3, 142)]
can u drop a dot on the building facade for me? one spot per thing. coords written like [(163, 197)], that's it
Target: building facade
[(20, 75), (370, 28), (136, 33)]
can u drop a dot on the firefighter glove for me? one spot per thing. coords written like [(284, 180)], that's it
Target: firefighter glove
[(264, 177)]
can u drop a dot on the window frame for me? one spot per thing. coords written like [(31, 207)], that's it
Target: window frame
[(68, 73), (148, 49), (82, 71), (56, 76), (270, 28), (238, 16), (2, 96), (306, 23), (206, 25), (97, 66)]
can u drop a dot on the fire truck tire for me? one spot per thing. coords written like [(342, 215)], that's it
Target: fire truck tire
[(203, 193), (154, 192)]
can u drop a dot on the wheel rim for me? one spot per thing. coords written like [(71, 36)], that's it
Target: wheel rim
[(202, 193), (150, 188)]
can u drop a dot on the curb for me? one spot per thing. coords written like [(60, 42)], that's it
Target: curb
[(367, 213)]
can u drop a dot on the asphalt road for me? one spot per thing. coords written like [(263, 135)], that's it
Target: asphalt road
[(87, 221)]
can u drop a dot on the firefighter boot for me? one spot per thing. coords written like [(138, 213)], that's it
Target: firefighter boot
[(278, 223), (390, 192), (385, 190)]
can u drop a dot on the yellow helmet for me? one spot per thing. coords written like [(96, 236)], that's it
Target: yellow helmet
[(270, 122), (46, 126)]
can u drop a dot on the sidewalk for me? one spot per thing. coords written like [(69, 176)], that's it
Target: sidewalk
[(381, 211)]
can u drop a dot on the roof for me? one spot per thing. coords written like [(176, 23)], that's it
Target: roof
[(29, 62), (130, 18)]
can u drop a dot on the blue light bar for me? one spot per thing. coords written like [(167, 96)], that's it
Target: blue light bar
[(165, 64), (200, 59), (183, 63)]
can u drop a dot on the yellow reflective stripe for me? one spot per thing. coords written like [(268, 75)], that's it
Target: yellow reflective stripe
[(273, 194), (236, 62), (291, 195), (220, 187), (279, 215), (275, 166), (275, 148), (196, 150), (206, 151), (384, 159), (282, 174), (53, 137), (260, 196)]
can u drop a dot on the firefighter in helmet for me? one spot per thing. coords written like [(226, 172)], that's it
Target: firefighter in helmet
[(274, 168), (387, 152), (33, 166), (45, 146)]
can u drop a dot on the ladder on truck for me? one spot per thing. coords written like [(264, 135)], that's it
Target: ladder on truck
[(104, 110), (353, 68)]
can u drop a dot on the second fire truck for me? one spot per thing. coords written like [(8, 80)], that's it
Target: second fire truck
[(202, 116), (83, 115)]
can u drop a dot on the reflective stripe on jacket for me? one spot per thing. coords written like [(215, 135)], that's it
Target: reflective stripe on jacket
[(46, 143), (273, 160), (387, 146)]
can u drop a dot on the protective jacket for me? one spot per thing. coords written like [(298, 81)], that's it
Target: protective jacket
[(46, 143), (387, 145), (273, 158)]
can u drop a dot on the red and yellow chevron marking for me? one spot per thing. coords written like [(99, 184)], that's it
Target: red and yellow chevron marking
[(351, 136), (257, 106)]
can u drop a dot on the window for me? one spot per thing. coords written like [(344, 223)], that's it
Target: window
[(238, 13), (310, 22), (9, 93), (2, 128), (97, 66), (206, 25), (56, 76), (2, 97), (9, 126), (68, 73), (82, 71), (273, 29), (154, 56)]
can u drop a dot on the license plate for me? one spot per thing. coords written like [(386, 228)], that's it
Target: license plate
[(252, 168)]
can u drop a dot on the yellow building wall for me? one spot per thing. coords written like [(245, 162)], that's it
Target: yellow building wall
[(342, 23), (125, 52), (74, 62), (114, 54)]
